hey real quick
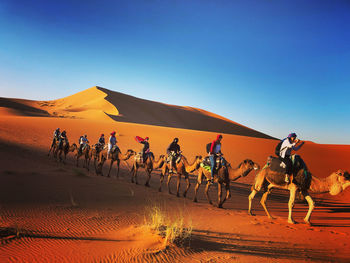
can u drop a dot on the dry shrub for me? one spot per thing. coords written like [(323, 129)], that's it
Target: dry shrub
[(172, 227)]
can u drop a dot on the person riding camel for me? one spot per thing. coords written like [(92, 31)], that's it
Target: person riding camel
[(61, 139), (83, 141), (145, 149), (56, 136), (289, 144), (173, 152), (214, 153), (101, 141), (112, 142)]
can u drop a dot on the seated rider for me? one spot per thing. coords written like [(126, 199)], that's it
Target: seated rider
[(173, 152), (101, 141), (287, 146), (83, 141), (215, 151), (62, 138), (56, 136), (145, 149), (111, 143)]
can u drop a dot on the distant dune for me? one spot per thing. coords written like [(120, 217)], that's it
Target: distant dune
[(102, 104)]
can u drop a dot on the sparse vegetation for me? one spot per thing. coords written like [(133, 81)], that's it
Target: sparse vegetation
[(172, 227)]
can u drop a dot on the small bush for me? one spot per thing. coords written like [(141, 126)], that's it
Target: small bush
[(171, 227)]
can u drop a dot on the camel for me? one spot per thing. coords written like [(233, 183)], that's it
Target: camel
[(85, 153), (181, 168), (114, 156), (66, 148), (149, 166), (95, 154), (303, 181), (224, 175)]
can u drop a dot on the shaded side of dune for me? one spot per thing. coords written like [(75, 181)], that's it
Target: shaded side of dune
[(21, 107), (136, 110)]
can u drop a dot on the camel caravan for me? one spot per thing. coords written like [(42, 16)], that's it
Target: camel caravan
[(286, 171)]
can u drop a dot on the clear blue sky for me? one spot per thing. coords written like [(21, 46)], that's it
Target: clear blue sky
[(275, 66)]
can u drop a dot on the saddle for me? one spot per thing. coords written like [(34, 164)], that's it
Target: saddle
[(115, 148), (172, 155), (277, 165), (220, 161), (139, 157)]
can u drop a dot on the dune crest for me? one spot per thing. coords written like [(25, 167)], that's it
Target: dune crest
[(87, 104)]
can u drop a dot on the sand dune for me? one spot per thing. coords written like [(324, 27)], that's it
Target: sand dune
[(98, 103)]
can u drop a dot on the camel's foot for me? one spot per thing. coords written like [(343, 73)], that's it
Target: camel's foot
[(219, 205), (307, 222), (272, 218), (250, 213), (291, 221), (159, 189), (147, 184), (210, 202), (184, 194), (195, 200)]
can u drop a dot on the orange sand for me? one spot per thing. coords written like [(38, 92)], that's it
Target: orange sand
[(66, 214)]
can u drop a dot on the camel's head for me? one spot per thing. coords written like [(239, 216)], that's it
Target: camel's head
[(248, 165), (343, 176), (130, 152)]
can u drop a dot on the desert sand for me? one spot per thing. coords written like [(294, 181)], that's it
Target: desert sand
[(55, 212)]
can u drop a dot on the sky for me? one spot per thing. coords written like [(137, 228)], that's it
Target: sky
[(275, 66)]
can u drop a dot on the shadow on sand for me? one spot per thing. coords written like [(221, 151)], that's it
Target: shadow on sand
[(250, 246)]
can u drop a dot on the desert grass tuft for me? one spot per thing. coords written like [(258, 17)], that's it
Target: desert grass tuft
[(172, 227)]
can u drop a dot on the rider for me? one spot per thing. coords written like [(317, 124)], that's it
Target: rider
[(101, 141), (62, 138), (173, 152), (83, 141), (56, 136), (145, 149), (111, 142), (215, 151), (287, 146)]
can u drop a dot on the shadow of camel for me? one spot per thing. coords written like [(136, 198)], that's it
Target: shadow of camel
[(250, 246)]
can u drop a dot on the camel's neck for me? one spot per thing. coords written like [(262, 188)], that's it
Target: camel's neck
[(190, 167), (124, 157), (329, 184), (235, 173), (158, 163)]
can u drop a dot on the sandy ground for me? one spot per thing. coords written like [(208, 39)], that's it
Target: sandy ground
[(63, 213), (55, 212)]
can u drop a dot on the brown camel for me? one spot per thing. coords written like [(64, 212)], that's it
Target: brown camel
[(303, 181), (149, 165), (182, 168), (115, 156), (224, 175), (95, 154), (65, 149), (85, 153)]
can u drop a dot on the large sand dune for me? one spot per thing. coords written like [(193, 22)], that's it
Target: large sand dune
[(55, 212), (99, 103)]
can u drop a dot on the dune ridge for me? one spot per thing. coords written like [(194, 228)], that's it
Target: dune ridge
[(98, 103)]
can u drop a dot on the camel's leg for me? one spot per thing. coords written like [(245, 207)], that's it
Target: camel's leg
[(292, 190), (199, 181), (228, 193), (110, 168), (168, 182), (148, 171), (178, 185), (161, 179), (78, 156), (311, 207), (118, 165), (219, 194), (207, 192), (251, 197), (263, 201), (188, 184)]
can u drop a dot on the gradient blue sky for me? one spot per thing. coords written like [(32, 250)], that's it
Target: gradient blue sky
[(275, 66)]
